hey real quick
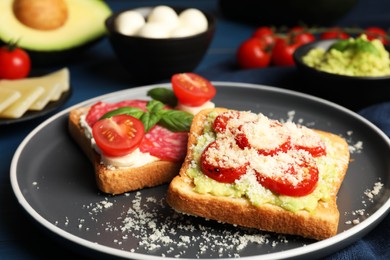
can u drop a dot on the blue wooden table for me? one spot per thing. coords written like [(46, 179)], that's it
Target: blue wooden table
[(99, 72)]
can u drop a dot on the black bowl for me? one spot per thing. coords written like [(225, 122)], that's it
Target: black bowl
[(353, 92), (148, 60)]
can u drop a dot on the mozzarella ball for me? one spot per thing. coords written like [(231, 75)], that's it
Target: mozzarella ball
[(129, 22), (182, 31), (194, 18), (154, 30), (165, 15)]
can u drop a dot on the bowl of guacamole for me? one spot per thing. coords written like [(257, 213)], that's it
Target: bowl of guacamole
[(353, 72)]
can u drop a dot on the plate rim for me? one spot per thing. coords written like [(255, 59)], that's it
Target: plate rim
[(358, 230)]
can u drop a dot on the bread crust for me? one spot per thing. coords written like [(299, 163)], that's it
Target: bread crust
[(115, 180), (318, 225)]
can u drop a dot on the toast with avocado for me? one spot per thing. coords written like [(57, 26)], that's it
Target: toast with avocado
[(248, 170)]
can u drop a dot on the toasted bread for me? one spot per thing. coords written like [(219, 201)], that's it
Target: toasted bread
[(114, 180), (318, 223)]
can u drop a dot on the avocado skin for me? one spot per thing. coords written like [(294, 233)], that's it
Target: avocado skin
[(286, 12), (57, 48)]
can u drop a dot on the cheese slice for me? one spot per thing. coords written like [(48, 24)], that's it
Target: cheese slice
[(29, 95), (7, 97), (54, 84)]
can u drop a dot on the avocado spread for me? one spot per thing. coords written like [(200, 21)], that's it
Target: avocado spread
[(352, 57), (249, 188)]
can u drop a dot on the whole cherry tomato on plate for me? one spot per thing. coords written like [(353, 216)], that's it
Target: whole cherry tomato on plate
[(377, 33), (334, 33), (192, 89), (15, 62), (253, 53)]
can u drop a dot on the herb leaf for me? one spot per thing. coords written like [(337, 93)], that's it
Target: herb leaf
[(164, 95), (176, 120), (132, 111)]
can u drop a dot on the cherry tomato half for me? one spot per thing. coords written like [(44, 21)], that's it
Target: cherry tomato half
[(286, 185), (192, 89), (213, 165), (253, 53), (118, 135), (15, 62)]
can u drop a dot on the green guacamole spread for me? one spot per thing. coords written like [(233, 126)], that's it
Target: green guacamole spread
[(250, 189), (351, 57)]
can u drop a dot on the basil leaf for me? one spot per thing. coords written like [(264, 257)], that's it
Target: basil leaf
[(154, 106), (366, 46), (164, 95), (132, 111), (149, 120), (176, 120), (341, 45)]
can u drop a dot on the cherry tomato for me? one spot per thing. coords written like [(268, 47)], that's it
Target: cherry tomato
[(253, 53), (377, 33), (221, 121), (212, 165), (304, 37), (266, 35), (192, 89), (285, 183), (301, 35), (334, 33), (118, 135), (282, 53), (15, 62)]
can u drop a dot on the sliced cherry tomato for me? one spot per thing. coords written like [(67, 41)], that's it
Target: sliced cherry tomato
[(377, 33), (214, 166), (15, 62), (288, 183), (118, 135), (192, 89), (280, 143), (253, 53), (221, 121), (334, 33)]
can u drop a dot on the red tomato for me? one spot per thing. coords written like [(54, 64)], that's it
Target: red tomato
[(14, 62), (192, 89), (118, 135), (303, 37), (252, 53), (285, 185), (218, 172), (377, 33), (282, 53), (266, 35), (334, 33), (221, 121)]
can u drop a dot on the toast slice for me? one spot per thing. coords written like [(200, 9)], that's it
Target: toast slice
[(317, 221), (114, 180)]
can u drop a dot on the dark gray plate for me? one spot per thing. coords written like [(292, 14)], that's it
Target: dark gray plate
[(56, 187)]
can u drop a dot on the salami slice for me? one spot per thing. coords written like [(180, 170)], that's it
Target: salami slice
[(159, 141), (167, 145), (100, 108)]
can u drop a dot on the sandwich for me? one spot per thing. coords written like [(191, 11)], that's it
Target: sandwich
[(136, 144), (246, 169)]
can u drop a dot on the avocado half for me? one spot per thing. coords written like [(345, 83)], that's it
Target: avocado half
[(83, 28)]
